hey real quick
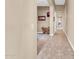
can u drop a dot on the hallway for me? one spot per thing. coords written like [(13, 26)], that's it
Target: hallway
[(28, 20), (57, 48)]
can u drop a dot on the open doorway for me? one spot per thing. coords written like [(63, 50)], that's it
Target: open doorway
[(43, 26)]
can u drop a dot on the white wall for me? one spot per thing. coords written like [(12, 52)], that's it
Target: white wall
[(60, 10), (51, 20), (42, 11), (59, 7), (21, 29), (70, 20)]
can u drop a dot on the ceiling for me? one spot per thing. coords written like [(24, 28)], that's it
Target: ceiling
[(45, 2), (42, 3), (59, 2)]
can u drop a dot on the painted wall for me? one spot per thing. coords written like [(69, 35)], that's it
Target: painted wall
[(51, 20), (42, 11), (60, 11), (70, 20), (21, 24), (59, 7)]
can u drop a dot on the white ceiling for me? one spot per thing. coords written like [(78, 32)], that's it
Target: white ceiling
[(59, 2), (42, 3), (45, 2)]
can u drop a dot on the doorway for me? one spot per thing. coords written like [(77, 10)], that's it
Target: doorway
[(43, 26)]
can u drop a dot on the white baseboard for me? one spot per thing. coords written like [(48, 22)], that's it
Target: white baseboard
[(69, 40), (51, 34), (71, 44), (39, 32)]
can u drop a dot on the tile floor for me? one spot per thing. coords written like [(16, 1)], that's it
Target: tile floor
[(57, 48), (41, 41)]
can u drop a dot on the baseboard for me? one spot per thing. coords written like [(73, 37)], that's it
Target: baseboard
[(69, 40), (51, 34), (39, 32)]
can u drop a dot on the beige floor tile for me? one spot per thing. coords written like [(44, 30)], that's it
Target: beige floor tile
[(57, 48)]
